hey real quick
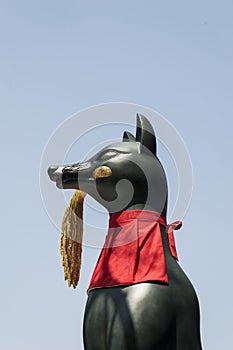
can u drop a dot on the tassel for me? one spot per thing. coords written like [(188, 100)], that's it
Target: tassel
[(71, 239)]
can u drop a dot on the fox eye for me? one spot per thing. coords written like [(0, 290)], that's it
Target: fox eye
[(107, 155)]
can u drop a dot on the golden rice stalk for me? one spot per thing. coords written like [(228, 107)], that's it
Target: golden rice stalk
[(71, 239)]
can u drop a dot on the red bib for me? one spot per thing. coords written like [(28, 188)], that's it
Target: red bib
[(133, 250)]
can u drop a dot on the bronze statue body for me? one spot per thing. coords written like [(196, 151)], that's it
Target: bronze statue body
[(148, 314)]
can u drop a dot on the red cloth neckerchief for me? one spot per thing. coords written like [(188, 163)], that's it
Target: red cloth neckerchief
[(133, 250)]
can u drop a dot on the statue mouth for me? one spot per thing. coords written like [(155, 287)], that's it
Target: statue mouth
[(65, 177)]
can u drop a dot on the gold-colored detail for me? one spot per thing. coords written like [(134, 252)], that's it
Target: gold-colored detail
[(71, 239), (101, 172)]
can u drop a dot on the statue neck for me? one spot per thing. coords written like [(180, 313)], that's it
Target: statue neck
[(142, 206)]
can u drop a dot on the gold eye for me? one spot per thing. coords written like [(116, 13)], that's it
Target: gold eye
[(101, 172)]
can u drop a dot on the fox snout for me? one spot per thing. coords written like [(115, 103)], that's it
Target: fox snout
[(67, 176)]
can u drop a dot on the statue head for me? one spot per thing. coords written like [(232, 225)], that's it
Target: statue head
[(123, 175)]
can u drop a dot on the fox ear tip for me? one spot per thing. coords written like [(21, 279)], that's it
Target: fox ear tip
[(127, 136), (139, 115), (145, 133)]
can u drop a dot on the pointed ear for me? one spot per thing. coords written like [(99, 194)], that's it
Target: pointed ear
[(145, 133), (127, 136)]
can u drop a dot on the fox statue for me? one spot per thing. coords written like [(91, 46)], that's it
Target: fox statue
[(139, 298)]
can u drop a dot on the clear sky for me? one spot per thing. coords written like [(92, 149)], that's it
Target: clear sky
[(60, 57)]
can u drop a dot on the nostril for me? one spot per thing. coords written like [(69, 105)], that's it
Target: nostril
[(52, 169)]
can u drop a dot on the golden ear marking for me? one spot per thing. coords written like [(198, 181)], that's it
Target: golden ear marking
[(102, 172)]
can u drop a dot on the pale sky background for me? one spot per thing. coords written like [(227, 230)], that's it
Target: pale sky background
[(58, 57)]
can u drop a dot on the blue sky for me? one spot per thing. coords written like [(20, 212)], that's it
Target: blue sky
[(60, 57)]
